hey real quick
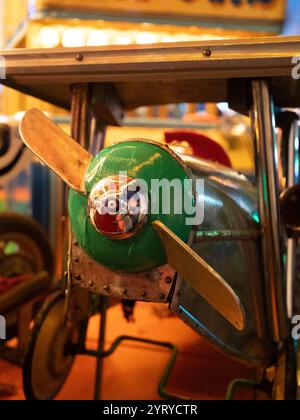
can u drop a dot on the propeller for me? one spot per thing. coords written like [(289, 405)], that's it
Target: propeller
[(201, 277), (70, 162), (55, 148)]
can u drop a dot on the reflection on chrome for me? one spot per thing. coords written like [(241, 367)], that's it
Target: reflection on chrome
[(117, 207)]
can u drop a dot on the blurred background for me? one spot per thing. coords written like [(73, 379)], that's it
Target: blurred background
[(64, 23), (27, 187)]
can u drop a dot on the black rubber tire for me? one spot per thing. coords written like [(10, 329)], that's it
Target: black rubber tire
[(30, 353), (13, 222)]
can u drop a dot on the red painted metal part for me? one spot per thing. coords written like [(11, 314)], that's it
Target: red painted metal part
[(203, 146), (7, 283)]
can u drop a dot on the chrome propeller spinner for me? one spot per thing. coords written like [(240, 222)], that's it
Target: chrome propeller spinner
[(117, 207)]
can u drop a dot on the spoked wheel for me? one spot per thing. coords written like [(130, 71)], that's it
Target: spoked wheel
[(24, 251), (50, 353)]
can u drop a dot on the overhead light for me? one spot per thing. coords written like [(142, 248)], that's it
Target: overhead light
[(73, 38), (97, 38), (49, 38), (167, 38), (123, 40), (146, 38)]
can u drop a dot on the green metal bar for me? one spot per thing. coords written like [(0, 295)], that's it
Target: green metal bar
[(101, 354), (239, 383), (165, 378)]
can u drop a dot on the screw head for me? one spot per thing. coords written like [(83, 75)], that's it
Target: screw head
[(207, 52), (79, 57), (77, 277), (90, 284), (106, 288), (76, 260), (168, 280)]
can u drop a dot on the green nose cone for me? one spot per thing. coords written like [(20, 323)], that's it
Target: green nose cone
[(144, 251)]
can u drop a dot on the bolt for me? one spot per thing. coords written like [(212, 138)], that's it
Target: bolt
[(207, 52), (79, 57), (168, 280), (90, 284), (76, 260), (77, 277), (106, 288)]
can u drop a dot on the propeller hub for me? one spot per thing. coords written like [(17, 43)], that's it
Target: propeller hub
[(117, 208)]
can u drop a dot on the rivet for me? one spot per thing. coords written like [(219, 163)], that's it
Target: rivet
[(207, 52), (79, 57)]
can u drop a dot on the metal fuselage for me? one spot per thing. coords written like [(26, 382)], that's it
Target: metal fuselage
[(228, 239)]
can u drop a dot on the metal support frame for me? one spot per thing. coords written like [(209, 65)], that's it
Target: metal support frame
[(24, 297), (15, 355), (77, 300), (263, 122), (102, 354), (88, 130), (264, 387)]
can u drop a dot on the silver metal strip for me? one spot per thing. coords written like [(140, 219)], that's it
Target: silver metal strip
[(263, 119), (227, 235), (292, 179)]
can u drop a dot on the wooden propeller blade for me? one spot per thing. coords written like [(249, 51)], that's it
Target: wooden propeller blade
[(202, 277), (55, 148)]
